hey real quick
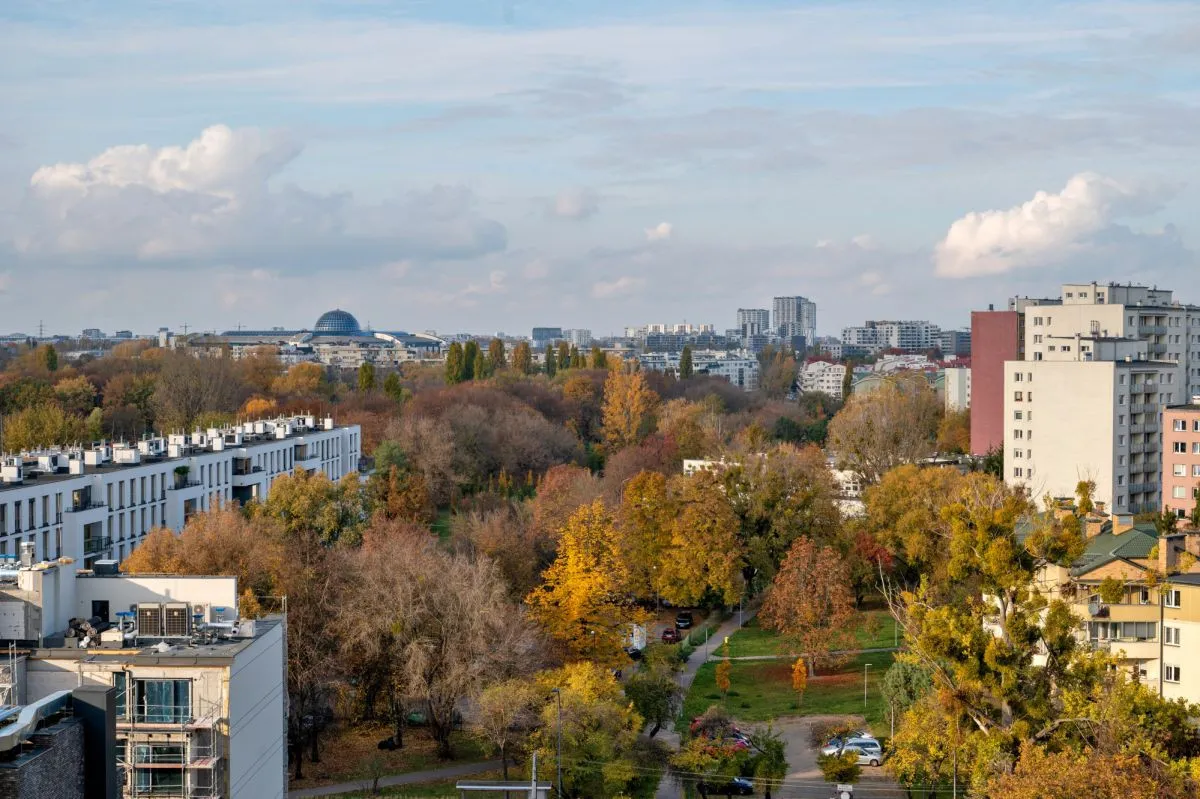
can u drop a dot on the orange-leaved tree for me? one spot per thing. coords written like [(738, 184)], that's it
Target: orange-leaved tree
[(811, 602)]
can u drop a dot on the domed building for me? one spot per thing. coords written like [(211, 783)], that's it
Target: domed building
[(337, 323)]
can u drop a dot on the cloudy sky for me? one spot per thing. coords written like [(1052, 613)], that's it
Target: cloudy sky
[(486, 165)]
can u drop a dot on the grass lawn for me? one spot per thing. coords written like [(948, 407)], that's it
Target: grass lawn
[(430, 790), (877, 632), (762, 690), (346, 753)]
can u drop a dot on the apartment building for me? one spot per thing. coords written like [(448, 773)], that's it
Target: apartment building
[(1181, 458), (995, 338), (198, 693), (753, 322), (795, 316), (737, 369), (957, 388), (827, 378), (99, 503), (874, 336), (1089, 411)]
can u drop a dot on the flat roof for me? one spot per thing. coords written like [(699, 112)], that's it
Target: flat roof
[(220, 652)]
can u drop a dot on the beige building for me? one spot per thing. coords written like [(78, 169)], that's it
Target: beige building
[(1181, 459)]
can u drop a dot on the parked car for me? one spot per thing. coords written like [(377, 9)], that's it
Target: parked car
[(868, 753), (850, 737), (684, 620), (671, 636), (836, 745), (737, 786)]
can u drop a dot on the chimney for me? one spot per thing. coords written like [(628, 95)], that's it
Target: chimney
[(1122, 523), (1166, 555), (26, 554)]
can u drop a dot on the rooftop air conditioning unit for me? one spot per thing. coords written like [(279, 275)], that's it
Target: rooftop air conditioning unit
[(149, 620), (177, 620)]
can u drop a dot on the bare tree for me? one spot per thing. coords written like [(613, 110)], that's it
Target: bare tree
[(894, 424), (188, 387)]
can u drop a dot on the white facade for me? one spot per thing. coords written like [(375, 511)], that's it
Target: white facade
[(753, 322), (795, 316), (1073, 420), (739, 370), (881, 335), (958, 389), (580, 337), (100, 503), (825, 377)]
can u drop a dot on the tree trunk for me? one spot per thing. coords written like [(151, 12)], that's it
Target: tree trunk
[(298, 756), (654, 730), (314, 737), (504, 763), (397, 708)]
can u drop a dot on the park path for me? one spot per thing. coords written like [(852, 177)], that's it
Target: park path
[(411, 778)]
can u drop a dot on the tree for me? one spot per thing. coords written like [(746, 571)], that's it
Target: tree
[(454, 364), (810, 602), (1040, 774), (799, 679), (777, 372), (704, 554), (644, 521), (724, 671), (904, 515), (653, 690), (769, 763), (840, 768), (894, 424), (691, 426), (304, 379), (260, 368), (847, 381), (904, 684), (47, 357), (188, 387), (577, 360), (41, 426), (470, 355), (394, 389), (310, 506), (366, 377), (713, 754), (629, 405), (954, 433), (550, 361), (483, 367), (685, 363), (522, 358), (495, 355), (564, 355), (75, 395), (507, 711), (583, 604), (599, 358)]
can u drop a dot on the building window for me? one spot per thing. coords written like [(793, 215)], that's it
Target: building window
[(1180, 470), (119, 682), (1196, 423), (1196, 470), (164, 701), (1171, 636), (1172, 598), (1018, 433), (1180, 426), (1018, 453), (1179, 492), (1179, 447), (1018, 377), (1196, 447), (1018, 396), (1171, 673), (1017, 472), (1018, 415)]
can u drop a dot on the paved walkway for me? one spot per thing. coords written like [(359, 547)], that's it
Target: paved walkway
[(411, 778)]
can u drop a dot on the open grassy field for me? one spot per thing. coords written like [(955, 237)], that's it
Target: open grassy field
[(878, 631), (762, 690), (428, 790)]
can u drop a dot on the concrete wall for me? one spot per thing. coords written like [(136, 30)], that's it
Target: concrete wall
[(994, 340), (125, 590), (1177, 489), (56, 771), (258, 719)]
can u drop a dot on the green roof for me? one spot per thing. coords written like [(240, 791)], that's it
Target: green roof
[(1134, 544)]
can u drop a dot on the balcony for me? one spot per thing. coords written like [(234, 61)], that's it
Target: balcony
[(80, 507), (1143, 407), (1152, 330), (94, 546), (1145, 427), (1097, 610), (1138, 447), (1142, 488)]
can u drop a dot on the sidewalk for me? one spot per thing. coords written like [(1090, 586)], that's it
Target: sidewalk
[(411, 778)]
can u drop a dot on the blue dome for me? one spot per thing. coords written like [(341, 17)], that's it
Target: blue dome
[(337, 323)]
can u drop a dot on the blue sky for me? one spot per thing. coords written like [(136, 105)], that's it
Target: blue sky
[(492, 166)]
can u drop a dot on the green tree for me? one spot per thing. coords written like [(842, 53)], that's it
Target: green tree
[(577, 361), (769, 763), (454, 363), (841, 768), (48, 356), (366, 377), (483, 367), (599, 358), (564, 355), (904, 684), (654, 691), (496, 356), (522, 358), (311, 507), (551, 361), (506, 710), (471, 354), (848, 381), (40, 426), (395, 389), (685, 363)]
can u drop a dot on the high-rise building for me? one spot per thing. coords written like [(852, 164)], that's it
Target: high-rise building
[(753, 321), (546, 335), (1181, 458), (910, 336), (955, 343), (957, 389), (795, 316), (995, 338), (579, 337)]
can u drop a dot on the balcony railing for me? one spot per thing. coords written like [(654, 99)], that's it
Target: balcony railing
[(1143, 407), (1152, 330), (1145, 427), (89, 505), (92, 546)]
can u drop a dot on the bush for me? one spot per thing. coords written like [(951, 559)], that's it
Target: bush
[(839, 768)]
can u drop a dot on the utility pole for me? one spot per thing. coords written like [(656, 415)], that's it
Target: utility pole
[(865, 667), (558, 743)]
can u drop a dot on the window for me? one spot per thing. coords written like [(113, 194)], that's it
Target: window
[(1018, 377), (1172, 598), (1171, 636), (1018, 433), (1037, 356), (1179, 492), (1171, 673), (1017, 472), (1196, 470), (1121, 420), (1120, 479), (1139, 630), (1018, 396), (1179, 447), (1018, 415), (1120, 399), (119, 682), (1052, 348), (164, 701), (1196, 426), (1180, 470), (1180, 425), (1037, 321), (1196, 447)]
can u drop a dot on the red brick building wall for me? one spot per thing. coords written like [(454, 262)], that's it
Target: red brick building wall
[(995, 338)]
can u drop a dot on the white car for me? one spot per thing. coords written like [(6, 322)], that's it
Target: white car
[(869, 752)]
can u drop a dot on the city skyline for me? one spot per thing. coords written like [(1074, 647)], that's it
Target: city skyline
[(496, 166)]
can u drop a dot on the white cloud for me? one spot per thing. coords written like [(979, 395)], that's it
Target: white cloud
[(660, 232), (621, 287), (575, 204), (213, 197), (1046, 230), (537, 269)]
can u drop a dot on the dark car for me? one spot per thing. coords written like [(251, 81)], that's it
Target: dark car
[(633, 653), (684, 620), (737, 786), (671, 636)]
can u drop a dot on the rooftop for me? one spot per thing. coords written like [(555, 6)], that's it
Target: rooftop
[(207, 651), (1133, 544)]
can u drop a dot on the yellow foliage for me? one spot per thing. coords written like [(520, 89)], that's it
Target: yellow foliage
[(799, 676), (257, 407)]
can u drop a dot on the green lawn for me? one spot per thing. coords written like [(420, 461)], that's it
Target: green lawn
[(877, 631), (762, 690), (430, 790)]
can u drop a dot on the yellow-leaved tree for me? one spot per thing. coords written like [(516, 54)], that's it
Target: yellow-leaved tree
[(629, 405), (584, 604)]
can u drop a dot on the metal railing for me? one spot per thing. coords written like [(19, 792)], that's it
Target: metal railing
[(92, 546), (89, 505)]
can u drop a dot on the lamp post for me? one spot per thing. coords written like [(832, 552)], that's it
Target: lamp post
[(558, 742), (865, 667)]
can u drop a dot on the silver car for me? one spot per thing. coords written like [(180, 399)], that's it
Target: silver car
[(868, 751)]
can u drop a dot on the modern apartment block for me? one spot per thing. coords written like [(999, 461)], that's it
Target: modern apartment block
[(828, 378), (995, 338), (753, 322), (1181, 458), (98, 503), (957, 388), (955, 343), (199, 705), (795, 316), (874, 336)]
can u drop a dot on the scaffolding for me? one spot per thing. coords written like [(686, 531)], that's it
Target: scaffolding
[(172, 758), (10, 689)]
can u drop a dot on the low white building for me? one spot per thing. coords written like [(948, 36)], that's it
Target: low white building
[(200, 693), (824, 377), (99, 503), (740, 370), (958, 388)]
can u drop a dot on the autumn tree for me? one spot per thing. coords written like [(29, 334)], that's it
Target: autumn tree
[(1040, 774), (550, 361), (799, 679), (41, 426), (75, 395), (654, 690), (471, 354), (562, 490), (394, 389), (189, 387), (308, 505), (954, 433), (810, 602), (777, 371), (564, 355), (522, 358), (690, 425), (305, 379), (260, 368), (599, 359), (629, 405), (366, 377), (508, 536), (768, 763), (723, 674), (584, 603), (507, 712), (879, 430), (454, 364), (644, 520), (704, 553), (496, 357), (686, 368)]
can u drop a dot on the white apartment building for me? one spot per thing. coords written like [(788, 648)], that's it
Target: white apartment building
[(795, 316), (1087, 413), (823, 376), (99, 503), (739, 370), (579, 337), (881, 335), (958, 388), (201, 696)]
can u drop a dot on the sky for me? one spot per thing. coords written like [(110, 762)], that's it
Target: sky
[(494, 165)]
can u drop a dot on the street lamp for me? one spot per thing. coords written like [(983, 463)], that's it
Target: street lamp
[(558, 743), (865, 667)]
